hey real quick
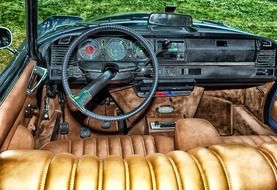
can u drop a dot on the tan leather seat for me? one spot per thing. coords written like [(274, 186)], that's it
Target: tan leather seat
[(103, 146), (191, 133), (219, 167)]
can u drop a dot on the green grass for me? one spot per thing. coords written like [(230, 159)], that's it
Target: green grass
[(256, 16)]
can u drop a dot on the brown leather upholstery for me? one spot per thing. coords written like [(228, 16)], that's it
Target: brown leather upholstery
[(219, 167), (22, 139), (273, 112), (103, 146), (191, 133), (11, 113), (253, 140)]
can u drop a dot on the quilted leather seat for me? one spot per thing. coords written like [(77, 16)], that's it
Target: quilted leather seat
[(103, 146), (219, 167), (189, 133)]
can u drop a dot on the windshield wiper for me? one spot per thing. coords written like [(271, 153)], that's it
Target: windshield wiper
[(132, 16)]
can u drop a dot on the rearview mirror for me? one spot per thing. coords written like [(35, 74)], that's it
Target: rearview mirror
[(5, 37), (170, 19)]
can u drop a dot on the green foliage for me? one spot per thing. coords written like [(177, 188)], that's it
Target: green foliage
[(259, 16)]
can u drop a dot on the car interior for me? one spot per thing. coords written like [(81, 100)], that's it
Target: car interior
[(142, 107)]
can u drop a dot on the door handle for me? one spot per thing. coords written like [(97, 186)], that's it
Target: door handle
[(37, 73)]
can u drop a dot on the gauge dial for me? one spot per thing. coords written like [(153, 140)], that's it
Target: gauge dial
[(139, 52), (89, 50), (116, 49)]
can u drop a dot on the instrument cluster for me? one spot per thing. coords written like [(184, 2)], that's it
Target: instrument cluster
[(110, 49)]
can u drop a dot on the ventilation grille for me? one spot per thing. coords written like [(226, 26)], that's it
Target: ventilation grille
[(58, 51), (266, 58)]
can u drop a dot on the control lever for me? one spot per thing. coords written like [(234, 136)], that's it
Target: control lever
[(164, 47), (45, 114), (64, 128)]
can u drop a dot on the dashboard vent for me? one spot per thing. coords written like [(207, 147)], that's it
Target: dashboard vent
[(65, 40), (57, 54), (266, 58)]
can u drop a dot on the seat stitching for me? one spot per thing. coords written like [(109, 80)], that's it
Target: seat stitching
[(266, 138), (263, 138), (265, 152), (274, 138), (108, 146), (121, 148), (127, 174), (70, 146), (271, 138), (84, 142), (96, 149), (270, 155), (44, 174), (178, 178), (100, 175), (133, 151), (224, 168), (152, 174), (201, 173), (249, 137), (154, 143), (253, 139), (143, 145), (73, 175)]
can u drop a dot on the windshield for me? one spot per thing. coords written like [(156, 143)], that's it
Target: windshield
[(258, 17)]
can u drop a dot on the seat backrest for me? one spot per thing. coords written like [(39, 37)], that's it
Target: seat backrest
[(104, 146), (218, 167)]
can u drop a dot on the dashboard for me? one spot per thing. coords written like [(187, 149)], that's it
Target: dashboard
[(197, 60)]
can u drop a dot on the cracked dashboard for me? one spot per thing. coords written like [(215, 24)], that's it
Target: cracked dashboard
[(206, 61)]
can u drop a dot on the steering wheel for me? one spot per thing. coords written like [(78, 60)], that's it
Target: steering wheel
[(107, 73)]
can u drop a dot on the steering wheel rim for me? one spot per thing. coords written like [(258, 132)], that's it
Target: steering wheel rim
[(134, 35)]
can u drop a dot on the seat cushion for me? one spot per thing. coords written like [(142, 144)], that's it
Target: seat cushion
[(253, 140), (219, 167), (192, 132), (103, 146)]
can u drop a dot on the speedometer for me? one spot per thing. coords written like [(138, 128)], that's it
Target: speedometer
[(139, 52), (116, 49), (89, 49)]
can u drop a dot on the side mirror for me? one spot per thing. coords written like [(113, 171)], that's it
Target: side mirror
[(5, 37)]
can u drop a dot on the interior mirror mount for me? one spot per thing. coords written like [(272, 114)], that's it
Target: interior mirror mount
[(170, 9), (170, 19)]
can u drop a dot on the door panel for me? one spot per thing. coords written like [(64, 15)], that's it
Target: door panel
[(11, 114)]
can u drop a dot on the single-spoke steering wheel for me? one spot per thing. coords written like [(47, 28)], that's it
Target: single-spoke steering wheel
[(107, 73)]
